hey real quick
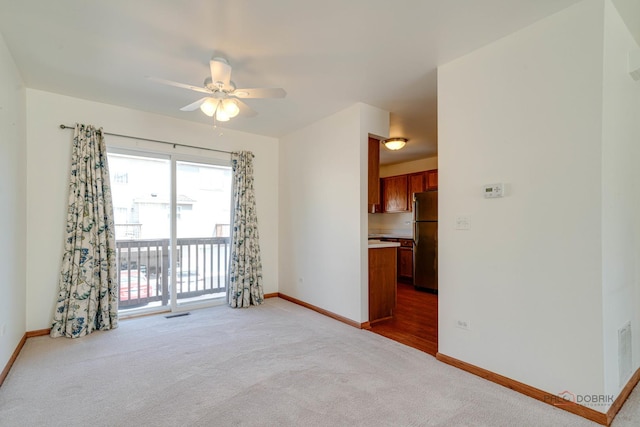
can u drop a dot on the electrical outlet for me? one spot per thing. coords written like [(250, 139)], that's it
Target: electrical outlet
[(624, 354), (463, 324)]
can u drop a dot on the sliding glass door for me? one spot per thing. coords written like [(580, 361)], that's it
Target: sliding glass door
[(203, 202), (172, 229)]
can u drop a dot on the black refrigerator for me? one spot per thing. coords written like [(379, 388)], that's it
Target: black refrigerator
[(425, 241)]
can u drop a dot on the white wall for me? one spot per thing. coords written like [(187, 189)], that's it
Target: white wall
[(620, 210), (373, 122), (525, 110), (12, 206), (408, 167), (48, 154), (323, 222)]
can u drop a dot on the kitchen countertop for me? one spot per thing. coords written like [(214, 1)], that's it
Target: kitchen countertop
[(390, 236), (377, 244)]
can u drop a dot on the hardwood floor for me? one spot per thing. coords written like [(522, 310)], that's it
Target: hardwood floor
[(415, 320)]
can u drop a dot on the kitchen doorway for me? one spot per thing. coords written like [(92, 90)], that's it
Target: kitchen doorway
[(415, 319)]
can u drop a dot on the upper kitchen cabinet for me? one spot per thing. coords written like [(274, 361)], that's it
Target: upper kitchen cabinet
[(394, 194), (397, 191), (417, 184), (432, 179), (423, 181), (373, 200)]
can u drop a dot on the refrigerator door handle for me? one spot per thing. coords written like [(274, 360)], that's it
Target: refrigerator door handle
[(413, 213), (415, 223)]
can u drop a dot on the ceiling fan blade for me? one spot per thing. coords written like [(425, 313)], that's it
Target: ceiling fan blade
[(245, 110), (181, 85), (265, 92), (220, 71), (195, 105)]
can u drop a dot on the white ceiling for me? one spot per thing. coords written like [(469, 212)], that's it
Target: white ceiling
[(326, 54)]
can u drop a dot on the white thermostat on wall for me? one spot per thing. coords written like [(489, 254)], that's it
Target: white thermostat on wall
[(493, 190)]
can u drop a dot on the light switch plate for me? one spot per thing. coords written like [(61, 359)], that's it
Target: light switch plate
[(463, 222)]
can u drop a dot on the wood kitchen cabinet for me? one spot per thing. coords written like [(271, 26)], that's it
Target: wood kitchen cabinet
[(397, 191), (373, 200), (432, 179), (382, 283), (394, 194), (417, 184), (423, 181), (405, 260)]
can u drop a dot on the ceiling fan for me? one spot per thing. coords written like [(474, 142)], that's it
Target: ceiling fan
[(223, 98)]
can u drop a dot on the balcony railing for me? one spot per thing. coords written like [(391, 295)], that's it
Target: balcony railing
[(144, 269), (128, 231)]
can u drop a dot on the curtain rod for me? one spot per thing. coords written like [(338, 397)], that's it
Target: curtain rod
[(175, 144)]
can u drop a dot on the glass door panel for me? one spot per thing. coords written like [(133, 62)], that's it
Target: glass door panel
[(140, 187), (203, 214)]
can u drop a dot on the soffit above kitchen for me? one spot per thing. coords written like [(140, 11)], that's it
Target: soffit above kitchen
[(326, 54)]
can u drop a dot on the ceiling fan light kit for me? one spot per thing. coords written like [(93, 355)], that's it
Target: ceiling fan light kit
[(224, 109), (222, 102), (394, 144), (222, 117), (230, 107), (209, 107)]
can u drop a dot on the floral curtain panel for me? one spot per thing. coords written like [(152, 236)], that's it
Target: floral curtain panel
[(88, 288), (245, 271)]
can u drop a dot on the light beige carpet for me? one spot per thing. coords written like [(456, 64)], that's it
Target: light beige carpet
[(276, 365)]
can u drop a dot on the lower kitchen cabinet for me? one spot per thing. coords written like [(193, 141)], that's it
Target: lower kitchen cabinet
[(405, 264), (404, 258), (382, 283)]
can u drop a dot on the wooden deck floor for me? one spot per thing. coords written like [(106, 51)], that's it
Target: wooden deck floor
[(415, 321)]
